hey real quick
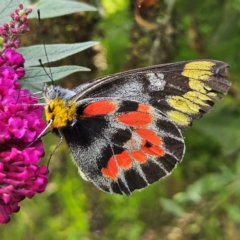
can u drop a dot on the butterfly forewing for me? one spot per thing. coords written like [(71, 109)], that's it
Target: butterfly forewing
[(183, 91)]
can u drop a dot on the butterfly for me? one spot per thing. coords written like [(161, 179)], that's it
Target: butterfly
[(125, 130)]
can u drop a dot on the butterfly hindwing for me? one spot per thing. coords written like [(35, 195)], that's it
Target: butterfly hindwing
[(184, 91), (121, 145)]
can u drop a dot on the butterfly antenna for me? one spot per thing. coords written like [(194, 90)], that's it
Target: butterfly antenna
[(50, 76), (45, 50)]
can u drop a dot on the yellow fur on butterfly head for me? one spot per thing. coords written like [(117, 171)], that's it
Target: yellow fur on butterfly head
[(61, 112)]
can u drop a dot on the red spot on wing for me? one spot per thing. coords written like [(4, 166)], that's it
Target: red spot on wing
[(138, 119), (139, 156), (111, 170), (99, 108), (149, 135), (143, 107), (124, 160), (152, 149)]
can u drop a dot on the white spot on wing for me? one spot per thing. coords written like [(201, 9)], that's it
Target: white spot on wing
[(157, 82), (129, 88)]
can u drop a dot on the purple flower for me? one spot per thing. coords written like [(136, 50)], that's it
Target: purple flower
[(20, 125), (9, 31), (13, 58)]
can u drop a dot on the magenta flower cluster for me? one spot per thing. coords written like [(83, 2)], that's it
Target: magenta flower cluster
[(19, 24), (20, 125)]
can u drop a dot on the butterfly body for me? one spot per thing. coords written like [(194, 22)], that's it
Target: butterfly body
[(125, 130)]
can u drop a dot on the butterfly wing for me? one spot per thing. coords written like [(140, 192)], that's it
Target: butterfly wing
[(129, 128), (184, 91), (121, 145)]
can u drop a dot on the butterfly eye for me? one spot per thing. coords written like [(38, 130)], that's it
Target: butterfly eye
[(52, 95), (50, 92)]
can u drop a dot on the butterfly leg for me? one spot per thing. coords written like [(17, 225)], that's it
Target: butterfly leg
[(56, 147)]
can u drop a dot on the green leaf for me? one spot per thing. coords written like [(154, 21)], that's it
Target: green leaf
[(223, 125), (58, 8), (35, 77), (6, 7), (234, 213), (188, 196), (206, 186), (38, 75), (55, 52), (172, 207)]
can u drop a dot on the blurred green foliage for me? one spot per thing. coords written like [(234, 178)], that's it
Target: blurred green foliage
[(200, 199)]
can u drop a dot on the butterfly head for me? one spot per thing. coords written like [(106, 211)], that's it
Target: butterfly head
[(59, 109), (51, 92)]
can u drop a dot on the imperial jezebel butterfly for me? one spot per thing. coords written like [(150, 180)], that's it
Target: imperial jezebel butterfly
[(125, 130)]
